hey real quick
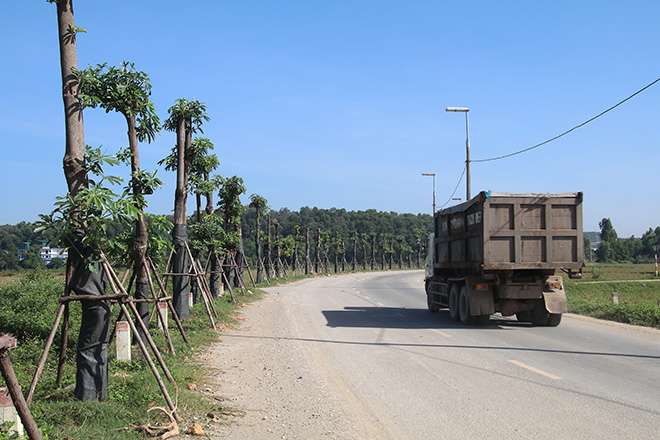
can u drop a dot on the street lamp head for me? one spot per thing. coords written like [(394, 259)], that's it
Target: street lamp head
[(428, 174), (458, 109)]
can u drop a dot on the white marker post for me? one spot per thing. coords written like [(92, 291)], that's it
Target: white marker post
[(162, 309), (655, 250), (9, 414), (123, 341)]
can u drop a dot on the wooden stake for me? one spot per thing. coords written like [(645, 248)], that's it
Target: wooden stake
[(112, 276), (44, 355), (8, 374), (169, 303), (154, 370)]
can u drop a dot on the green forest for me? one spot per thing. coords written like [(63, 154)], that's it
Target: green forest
[(394, 234)]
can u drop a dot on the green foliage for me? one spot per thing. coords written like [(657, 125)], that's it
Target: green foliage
[(639, 301), (635, 314), (209, 234), (32, 259), (27, 310), (95, 211), (28, 307), (230, 203), (158, 243), (259, 203), (122, 89), (193, 112)]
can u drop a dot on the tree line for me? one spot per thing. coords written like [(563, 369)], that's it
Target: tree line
[(613, 249), (393, 234)]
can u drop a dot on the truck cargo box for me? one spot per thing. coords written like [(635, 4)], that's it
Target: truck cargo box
[(504, 231)]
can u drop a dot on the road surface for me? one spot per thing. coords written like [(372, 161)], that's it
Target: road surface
[(358, 356)]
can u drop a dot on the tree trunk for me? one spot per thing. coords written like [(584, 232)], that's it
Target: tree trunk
[(180, 283), (267, 250), (307, 258), (139, 248), (257, 244), (92, 351), (74, 156), (216, 264)]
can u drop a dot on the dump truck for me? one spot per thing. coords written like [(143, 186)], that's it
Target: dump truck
[(499, 252)]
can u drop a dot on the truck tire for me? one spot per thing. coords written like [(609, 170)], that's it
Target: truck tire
[(454, 294), (523, 316), (539, 316), (464, 308), (554, 319), (433, 307)]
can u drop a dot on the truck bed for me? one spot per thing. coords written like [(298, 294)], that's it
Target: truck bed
[(505, 231)]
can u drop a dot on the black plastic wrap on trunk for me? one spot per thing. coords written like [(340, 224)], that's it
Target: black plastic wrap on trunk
[(216, 268), (194, 289), (180, 293), (92, 351), (142, 292)]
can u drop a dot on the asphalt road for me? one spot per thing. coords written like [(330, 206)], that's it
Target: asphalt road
[(404, 373)]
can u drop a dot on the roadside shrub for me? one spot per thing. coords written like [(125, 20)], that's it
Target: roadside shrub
[(28, 307), (637, 314)]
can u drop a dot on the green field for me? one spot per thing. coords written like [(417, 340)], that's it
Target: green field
[(635, 285)]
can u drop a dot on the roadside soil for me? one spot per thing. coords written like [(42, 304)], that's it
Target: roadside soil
[(266, 384)]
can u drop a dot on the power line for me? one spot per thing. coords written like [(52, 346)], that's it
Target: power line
[(455, 189), (568, 131)]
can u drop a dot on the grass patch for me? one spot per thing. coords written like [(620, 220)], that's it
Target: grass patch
[(28, 307), (639, 300)]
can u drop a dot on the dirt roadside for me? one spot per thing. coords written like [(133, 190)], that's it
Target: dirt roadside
[(269, 388)]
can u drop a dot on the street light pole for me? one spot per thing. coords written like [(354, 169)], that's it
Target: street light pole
[(467, 144), (433, 175)]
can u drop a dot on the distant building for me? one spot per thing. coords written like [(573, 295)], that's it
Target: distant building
[(47, 253)]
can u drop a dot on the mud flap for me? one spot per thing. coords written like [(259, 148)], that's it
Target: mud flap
[(555, 302), (481, 302)]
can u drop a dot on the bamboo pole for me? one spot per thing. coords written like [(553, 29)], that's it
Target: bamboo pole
[(65, 327), (169, 303), (8, 374), (166, 332), (154, 370), (113, 285), (206, 293), (44, 355)]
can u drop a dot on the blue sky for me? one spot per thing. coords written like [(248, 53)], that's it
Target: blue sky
[(342, 103)]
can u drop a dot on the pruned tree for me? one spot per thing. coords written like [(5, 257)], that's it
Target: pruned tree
[(230, 203), (201, 184), (260, 205), (126, 90), (92, 351), (186, 117)]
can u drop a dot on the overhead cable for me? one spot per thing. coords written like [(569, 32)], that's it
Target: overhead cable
[(455, 189), (568, 131)]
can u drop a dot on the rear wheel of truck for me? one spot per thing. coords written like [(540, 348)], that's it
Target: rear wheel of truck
[(464, 308), (540, 315), (554, 319), (433, 307), (454, 293)]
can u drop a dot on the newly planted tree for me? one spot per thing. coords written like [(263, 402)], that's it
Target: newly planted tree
[(260, 204), (92, 352), (126, 90), (186, 117), (201, 184), (230, 204)]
